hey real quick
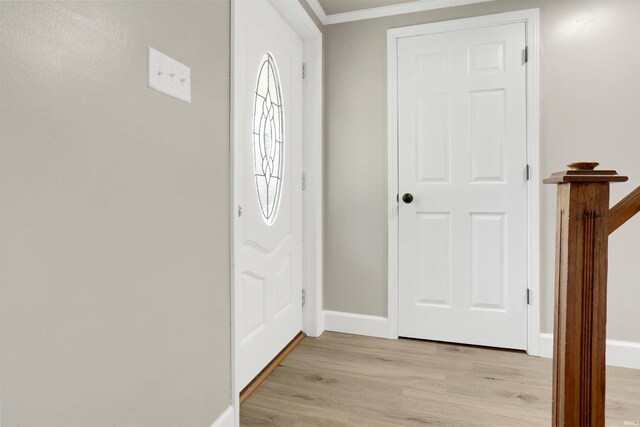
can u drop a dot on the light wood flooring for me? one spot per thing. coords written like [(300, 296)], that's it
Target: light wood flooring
[(348, 380)]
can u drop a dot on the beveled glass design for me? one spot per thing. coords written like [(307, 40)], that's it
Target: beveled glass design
[(268, 138)]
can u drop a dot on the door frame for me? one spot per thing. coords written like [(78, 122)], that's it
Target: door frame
[(312, 245), (530, 17)]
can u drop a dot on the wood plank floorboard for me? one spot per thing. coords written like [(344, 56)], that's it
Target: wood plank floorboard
[(348, 380)]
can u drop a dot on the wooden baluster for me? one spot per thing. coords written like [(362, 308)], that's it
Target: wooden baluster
[(579, 341)]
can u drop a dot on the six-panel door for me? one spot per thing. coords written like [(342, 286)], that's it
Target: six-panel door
[(462, 155)]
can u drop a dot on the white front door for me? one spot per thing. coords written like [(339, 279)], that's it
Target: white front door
[(462, 156), (268, 193)]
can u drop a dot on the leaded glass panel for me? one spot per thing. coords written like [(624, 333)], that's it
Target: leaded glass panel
[(268, 138)]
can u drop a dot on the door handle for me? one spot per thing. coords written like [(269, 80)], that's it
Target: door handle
[(407, 198)]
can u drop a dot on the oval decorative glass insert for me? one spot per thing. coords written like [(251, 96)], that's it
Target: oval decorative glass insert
[(268, 138)]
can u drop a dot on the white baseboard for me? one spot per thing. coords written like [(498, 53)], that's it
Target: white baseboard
[(226, 419), (624, 354), (358, 324), (545, 346)]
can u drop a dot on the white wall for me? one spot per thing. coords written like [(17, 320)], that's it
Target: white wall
[(589, 111)]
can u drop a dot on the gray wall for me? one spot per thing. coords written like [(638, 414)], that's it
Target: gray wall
[(114, 263), (589, 111)]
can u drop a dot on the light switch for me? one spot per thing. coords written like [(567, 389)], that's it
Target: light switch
[(168, 76)]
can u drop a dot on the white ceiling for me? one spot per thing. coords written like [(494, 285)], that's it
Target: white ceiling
[(339, 11), (340, 6)]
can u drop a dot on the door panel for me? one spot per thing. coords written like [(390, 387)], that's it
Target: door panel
[(435, 269), (487, 261), (462, 155), (268, 224), (433, 138)]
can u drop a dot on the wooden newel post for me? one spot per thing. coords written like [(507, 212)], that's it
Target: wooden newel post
[(579, 341)]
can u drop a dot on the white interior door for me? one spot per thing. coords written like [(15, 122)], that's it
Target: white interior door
[(268, 194), (462, 156)]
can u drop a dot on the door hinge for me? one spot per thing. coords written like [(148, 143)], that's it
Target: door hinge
[(304, 70), (239, 210), (528, 296), (528, 172), (526, 54), (304, 181), (303, 298)]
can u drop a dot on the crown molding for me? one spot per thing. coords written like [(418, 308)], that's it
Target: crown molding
[(379, 12), (319, 11)]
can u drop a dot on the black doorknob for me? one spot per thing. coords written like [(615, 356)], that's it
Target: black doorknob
[(407, 198)]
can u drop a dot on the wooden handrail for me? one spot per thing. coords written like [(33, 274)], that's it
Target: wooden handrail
[(624, 210)]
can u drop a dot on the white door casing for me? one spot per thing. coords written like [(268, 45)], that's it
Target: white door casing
[(462, 154), (268, 258)]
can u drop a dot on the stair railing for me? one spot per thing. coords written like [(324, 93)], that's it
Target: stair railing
[(624, 210), (584, 222)]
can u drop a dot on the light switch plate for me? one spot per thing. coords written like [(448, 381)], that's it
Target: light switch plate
[(169, 76)]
